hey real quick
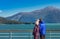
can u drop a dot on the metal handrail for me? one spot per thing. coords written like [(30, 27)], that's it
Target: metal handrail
[(10, 32), (30, 30)]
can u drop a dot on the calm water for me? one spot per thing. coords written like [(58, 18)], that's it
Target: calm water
[(28, 26), (50, 26)]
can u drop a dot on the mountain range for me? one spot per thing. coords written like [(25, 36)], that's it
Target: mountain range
[(48, 14), (5, 21)]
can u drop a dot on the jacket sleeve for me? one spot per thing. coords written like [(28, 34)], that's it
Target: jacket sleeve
[(44, 29), (34, 30)]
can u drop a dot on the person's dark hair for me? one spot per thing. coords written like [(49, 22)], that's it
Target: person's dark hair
[(40, 20)]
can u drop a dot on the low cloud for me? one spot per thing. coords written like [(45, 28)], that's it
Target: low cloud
[(1, 11)]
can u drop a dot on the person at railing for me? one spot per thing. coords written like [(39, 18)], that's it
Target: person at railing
[(42, 29), (36, 30)]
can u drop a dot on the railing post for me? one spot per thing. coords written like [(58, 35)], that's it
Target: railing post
[(30, 35), (50, 34), (10, 35)]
